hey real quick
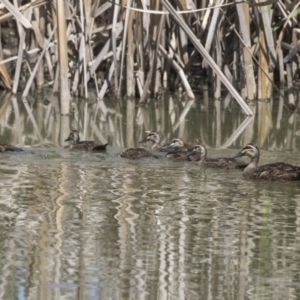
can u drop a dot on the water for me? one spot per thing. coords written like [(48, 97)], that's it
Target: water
[(78, 225)]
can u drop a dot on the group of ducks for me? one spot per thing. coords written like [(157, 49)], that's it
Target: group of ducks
[(177, 150)]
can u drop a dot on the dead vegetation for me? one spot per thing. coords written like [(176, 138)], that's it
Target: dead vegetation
[(142, 48)]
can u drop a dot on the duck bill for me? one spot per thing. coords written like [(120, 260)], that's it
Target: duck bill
[(239, 154), (68, 139), (174, 150), (144, 140), (165, 147), (190, 153)]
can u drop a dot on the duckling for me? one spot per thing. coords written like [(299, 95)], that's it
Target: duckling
[(8, 147), (153, 136), (178, 143), (137, 153), (219, 162), (274, 171), (83, 145)]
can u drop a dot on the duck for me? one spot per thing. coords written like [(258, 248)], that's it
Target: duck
[(153, 136), (9, 147), (138, 153), (180, 144), (218, 162), (178, 150), (273, 171), (83, 145)]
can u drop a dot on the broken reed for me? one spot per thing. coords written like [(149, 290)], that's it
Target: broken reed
[(134, 48)]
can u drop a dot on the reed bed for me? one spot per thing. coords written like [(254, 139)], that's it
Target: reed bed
[(145, 48)]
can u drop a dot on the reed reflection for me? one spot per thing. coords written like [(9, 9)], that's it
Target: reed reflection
[(37, 122)]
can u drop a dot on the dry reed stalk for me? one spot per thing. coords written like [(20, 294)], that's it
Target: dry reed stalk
[(63, 59), (141, 59), (204, 53), (30, 80), (109, 75), (281, 65), (130, 80), (114, 45), (290, 87), (16, 13), (264, 83), (218, 60), (127, 14), (212, 29), (156, 23), (9, 16), (180, 72), (244, 22), (4, 75), (39, 31), (151, 76), (19, 60), (82, 50), (17, 117), (265, 18)]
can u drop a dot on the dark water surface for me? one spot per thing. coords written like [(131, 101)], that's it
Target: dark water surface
[(79, 225)]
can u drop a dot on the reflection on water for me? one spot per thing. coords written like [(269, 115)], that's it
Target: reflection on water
[(95, 226)]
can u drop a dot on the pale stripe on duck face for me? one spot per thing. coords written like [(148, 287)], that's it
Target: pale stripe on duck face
[(179, 143), (152, 136), (73, 136)]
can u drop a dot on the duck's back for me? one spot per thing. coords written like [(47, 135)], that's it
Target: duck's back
[(137, 153), (274, 171), (181, 156), (8, 147), (223, 162), (89, 146)]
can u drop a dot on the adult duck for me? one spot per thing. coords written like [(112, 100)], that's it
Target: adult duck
[(274, 171)]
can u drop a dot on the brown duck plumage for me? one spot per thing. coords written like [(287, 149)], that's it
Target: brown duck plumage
[(180, 144), (218, 162), (274, 171), (83, 145), (8, 147), (178, 150), (137, 153)]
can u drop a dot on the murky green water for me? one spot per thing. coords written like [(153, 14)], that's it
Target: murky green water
[(95, 226)]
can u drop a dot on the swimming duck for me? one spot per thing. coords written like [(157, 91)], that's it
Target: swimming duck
[(274, 171), (218, 162), (137, 153), (178, 143), (153, 136), (178, 150), (8, 147), (83, 145)]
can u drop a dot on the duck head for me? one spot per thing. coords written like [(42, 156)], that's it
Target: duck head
[(73, 136), (249, 150), (200, 150), (152, 136)]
